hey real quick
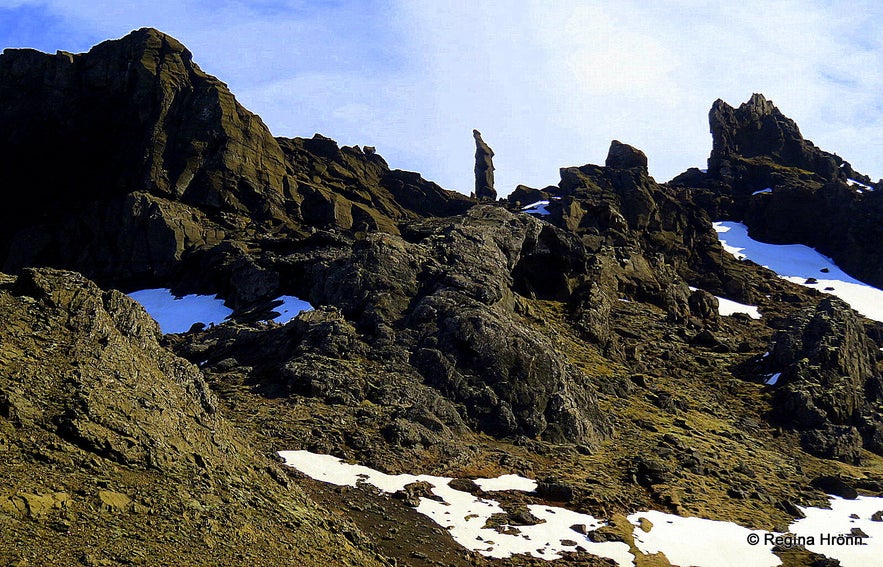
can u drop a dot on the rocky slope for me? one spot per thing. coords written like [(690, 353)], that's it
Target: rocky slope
[(115, 451), (449, 336)]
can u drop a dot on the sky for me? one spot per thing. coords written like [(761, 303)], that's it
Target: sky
[(549, 84)]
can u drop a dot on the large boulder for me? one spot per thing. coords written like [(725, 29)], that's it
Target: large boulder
[(624, 156)]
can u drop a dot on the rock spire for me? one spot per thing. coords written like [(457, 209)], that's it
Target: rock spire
[(484, 169)]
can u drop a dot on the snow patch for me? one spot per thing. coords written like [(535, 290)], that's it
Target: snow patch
[(538, 208), (726, 307), (838, 521), (290, 308), (798, 264), (464, 515), (854, 183), (699, 542), (730, 307), (683, 540), (178, 314), (773, 378)]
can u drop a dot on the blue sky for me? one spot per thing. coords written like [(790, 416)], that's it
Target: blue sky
[(549, 84)]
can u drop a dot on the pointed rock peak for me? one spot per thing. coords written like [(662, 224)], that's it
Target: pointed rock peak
[(624, 156), (145, 40), (759, 106), (721, 105), (758, 129)]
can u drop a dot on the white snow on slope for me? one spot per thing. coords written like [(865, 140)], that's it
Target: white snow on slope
[(727, 307), (798, 263), (464, 515), (538, 208), (178, 314), (730, 307), (838, 521), (854, 183), (699, 542), (684, 540)]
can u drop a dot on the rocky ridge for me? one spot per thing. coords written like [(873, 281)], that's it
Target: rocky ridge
[(456, 337)]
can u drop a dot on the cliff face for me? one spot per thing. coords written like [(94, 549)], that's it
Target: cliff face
[(123, 160), (135, 114)]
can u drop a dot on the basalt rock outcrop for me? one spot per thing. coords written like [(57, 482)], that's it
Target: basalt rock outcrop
[(444, 300), (125, 160), (757, 129), (484, 169), (828, 384), (651, 238), (109, 438), (449, 335), (787, 191)]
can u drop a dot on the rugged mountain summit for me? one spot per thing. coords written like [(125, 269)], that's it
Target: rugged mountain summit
[(127, 159), (815, 197), (581, 345), (757, 129)]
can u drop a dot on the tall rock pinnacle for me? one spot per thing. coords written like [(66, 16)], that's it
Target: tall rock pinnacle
[(484, 169)]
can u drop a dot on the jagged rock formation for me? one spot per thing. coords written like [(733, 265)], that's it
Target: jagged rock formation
[(757, 129), (814, 198), (650, 236), (445, 299), (128, 158), (107, 438), (484, 169), (829, 385)]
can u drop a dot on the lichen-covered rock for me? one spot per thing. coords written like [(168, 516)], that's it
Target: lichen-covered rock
[(829, 384), (109, 435)]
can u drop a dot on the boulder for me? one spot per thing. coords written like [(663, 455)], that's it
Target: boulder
[(624, 156)]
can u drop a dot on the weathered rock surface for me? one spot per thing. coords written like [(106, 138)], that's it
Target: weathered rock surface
[(829, 385), (484, 169), (816, 198), (445, 300), (624, 156), (104, 428), (126, 159), (757, 129), (447, 337)]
